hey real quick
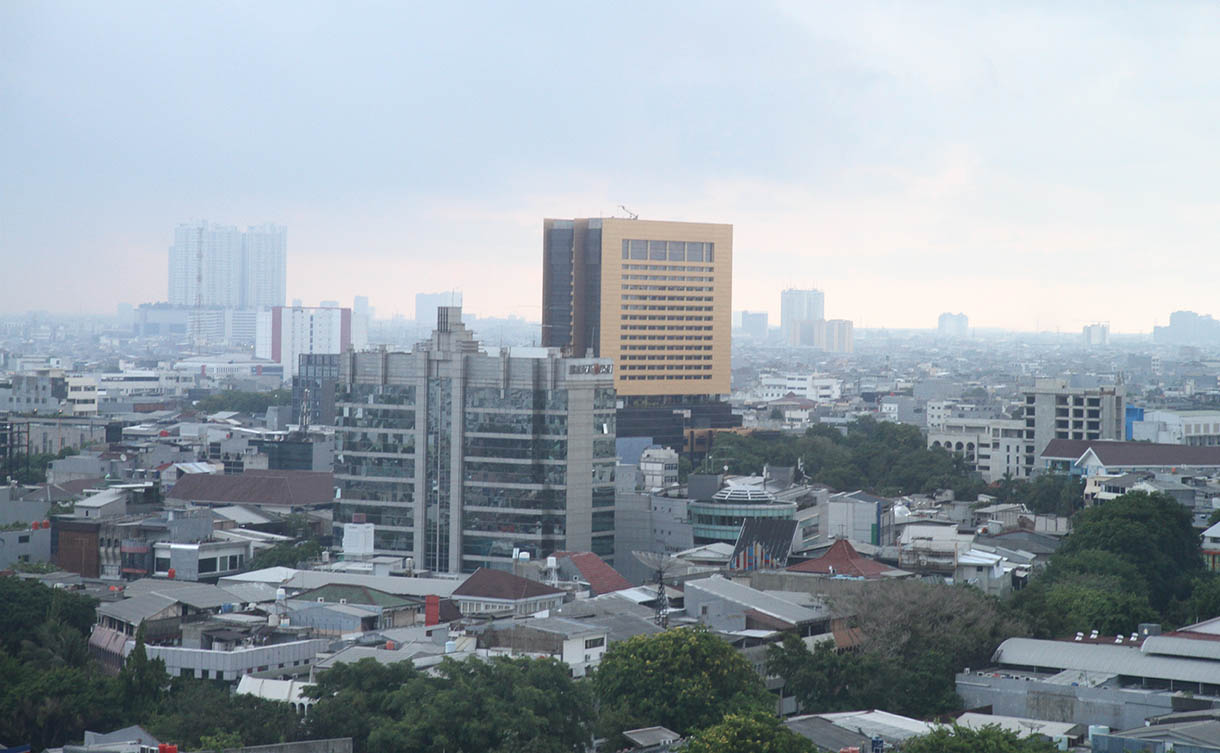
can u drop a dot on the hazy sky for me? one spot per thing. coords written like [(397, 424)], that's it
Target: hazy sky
[(1032, 165)]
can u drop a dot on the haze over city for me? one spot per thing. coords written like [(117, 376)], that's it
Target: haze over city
[(1038, 167)]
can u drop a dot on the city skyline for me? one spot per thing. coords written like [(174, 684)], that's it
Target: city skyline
[(1014, 173)]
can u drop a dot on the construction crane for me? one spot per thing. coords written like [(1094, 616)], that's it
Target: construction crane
[(630, 213)]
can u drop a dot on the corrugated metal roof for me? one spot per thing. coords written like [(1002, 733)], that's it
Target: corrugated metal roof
[(752, 598), (135, 611), (1106, 658)]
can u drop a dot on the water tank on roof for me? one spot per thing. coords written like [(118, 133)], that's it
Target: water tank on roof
[(450, 647)]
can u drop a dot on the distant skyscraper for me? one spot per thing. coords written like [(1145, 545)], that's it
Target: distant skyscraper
[(754, 324), (362, 321), (265, 266), (426, 304), (1096, 335), (796, 306), (219, 266), (953, 325)]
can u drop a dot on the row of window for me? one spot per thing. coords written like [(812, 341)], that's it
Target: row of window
[(663, 337), (671, 278), (668, 250), (684, 298), (672, 328), (663, 268), (666, 347), (673, 288), (663, 357), (664, 366)]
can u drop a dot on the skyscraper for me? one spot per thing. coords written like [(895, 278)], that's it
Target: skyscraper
[(655, 298), (219, 266), (796, 306), (460, 457)]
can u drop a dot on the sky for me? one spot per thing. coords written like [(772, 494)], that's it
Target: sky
[(1038, 166)]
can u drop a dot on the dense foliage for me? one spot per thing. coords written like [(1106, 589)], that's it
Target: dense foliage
[(287, 554), (685, 679), (1049, 494), (500, 706), (1130, 560), (748, 734), (826, 680), (50, 691), (244, 402), (885, 458), (989, 739)]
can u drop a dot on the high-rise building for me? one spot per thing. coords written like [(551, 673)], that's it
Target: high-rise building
[(1055, 409), (839, 337), (953, 325), (427, 304), (655, 298), (1096, 335), (264, 266), (754, 324), (459, 457), (284, 333), (219, 266), (796, 306), (362, 321)]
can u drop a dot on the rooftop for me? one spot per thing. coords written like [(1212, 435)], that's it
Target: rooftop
[(280, 488), (496, 584)]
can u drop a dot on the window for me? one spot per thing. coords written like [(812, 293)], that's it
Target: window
[(25, 539), (595, 642), (207, 565)]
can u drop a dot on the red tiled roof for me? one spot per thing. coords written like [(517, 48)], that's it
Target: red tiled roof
[(286, 488), (497, 584), (601, 577), (842, 559)]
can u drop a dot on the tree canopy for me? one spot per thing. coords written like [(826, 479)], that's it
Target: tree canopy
[(885, 458), (989, 739), (826, 680), (738, 733), (502, 705), (685, 679), (1132, 559)]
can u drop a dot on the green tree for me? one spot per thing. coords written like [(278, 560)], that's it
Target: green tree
[(737, 733), (142, 680), (685, 679), (196, 710), (1152, 532), (989, 739), (503, 705), (220, 741), (825, 680), (286, 554)]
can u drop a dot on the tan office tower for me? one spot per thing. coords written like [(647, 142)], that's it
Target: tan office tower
[(656, 298)]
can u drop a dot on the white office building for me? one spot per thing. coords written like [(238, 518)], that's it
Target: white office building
[(796, 306), (284, 333)]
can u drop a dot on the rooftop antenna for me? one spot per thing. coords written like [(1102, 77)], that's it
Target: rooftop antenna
[(663, 565), (630, 213)]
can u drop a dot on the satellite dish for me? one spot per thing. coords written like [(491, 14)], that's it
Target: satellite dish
[(123, 457)]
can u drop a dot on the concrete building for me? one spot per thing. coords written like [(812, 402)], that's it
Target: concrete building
[(660, 467), (1054, 409), (953, 325), (284, 334), (1116, 681), (995, 447), (796, 306), (460, 457), (839, 336), (218, 265), (754, 324), (655, 298), (1188, 427), (1096, 335)]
